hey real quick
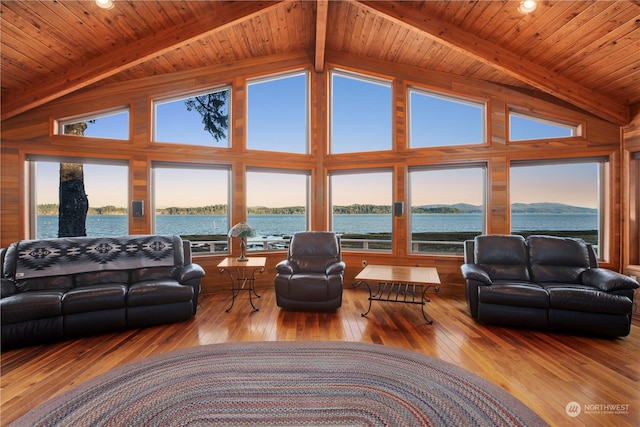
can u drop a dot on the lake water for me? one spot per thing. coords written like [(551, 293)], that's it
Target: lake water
[(277, 225)]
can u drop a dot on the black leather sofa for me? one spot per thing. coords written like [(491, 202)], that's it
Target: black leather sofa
[(311, 277), (58, 288), (545, 282)]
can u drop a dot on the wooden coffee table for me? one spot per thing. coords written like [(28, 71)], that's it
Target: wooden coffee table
[(396, 283)]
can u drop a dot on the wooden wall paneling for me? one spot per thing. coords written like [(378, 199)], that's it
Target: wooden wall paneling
[(319, 145), (615, 213), (11, 220), (401, 231), (631, 180), (499, 212), (498, 123), (140, 189)]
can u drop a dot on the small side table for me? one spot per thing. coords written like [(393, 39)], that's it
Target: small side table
[(243, 276)]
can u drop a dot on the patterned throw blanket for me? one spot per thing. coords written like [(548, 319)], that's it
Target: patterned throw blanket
[(71, 255)]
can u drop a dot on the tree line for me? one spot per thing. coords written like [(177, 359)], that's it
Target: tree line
[(355, 209)]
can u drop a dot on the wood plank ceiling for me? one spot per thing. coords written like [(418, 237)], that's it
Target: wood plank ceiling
[(582, 52)]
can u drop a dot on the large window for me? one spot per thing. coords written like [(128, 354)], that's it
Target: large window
[(109, 124), (193, 202), (278, 113), (197, 119), (105, 185), (561, 199), (361, 113), (441, 120), (361, 209), (446, 207), (277, 203)]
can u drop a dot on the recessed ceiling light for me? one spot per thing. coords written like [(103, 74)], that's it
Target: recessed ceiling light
[(527, 6), (105, 4)]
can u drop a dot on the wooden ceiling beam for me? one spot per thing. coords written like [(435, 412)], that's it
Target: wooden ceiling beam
[(96, 69), (322, 11), (526, 71)]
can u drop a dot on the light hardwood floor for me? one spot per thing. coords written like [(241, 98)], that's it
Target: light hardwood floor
[(545, 371)]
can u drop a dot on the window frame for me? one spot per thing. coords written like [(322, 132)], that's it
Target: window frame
[(483, 166), (155, 101), (191, 166), (450, 97), (330, 206), (577, 129), (31, 161), (59, 124), (356, 75), (307, 173), (278, 76), (604, 194)]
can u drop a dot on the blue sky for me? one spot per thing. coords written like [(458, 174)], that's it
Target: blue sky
[(361, 120)]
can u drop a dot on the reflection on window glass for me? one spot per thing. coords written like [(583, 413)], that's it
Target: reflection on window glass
[(361, 113), (194, 120), (113, 125), (522, 127), (277, 114), (557, 199), (438, 120), (361, 209), (193, 202), (106, 189), (275, 215), (447, 208)]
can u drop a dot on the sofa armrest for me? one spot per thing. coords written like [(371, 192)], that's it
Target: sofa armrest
[(336, 268), (475, 272), (607, 280), (8, 288), (286, 267), (190, 272)]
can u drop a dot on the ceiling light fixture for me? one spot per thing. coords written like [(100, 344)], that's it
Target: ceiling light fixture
[(105, 4), (527, 6)]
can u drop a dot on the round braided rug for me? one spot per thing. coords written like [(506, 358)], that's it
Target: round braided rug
[(285, 383)]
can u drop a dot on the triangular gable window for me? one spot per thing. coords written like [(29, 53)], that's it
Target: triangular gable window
[(110, 125), (523, 127)]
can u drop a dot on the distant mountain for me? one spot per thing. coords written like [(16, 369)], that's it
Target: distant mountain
[(544, 207), (549, 208)]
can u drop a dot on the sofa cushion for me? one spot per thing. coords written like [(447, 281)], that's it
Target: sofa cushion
[(502, 257), (28, 306), (95, 297), (514, 294), (155, 292), (557, 259), (588, 300)]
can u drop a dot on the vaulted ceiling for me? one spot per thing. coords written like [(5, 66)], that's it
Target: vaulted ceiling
[(582, 52)]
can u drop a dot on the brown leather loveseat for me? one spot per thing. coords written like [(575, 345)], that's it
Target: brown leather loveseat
[(545, 282)]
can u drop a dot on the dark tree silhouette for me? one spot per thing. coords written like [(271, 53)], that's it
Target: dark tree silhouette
[(74, 203), (210, 107)]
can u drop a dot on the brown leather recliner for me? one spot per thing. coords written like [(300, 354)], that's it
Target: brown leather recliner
[(311, 276)]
